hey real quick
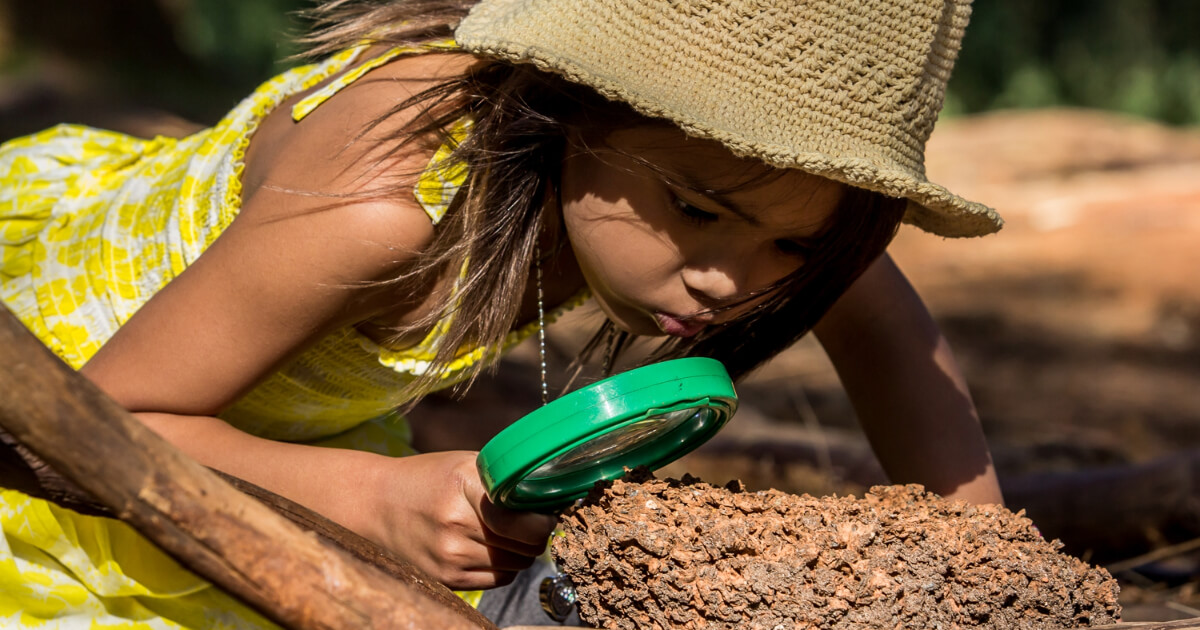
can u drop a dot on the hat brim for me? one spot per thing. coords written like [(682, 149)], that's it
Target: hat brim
[(491, 31), (931, 207)]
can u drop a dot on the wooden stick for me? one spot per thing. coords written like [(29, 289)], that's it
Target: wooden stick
[(1105, 510), (21, 470), (1182, 624), (215, 530), (1162, 553)]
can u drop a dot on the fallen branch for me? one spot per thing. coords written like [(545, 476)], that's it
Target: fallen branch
[(21, 470), (1182, 624), (1104, 513), (1162, 553), (215, 530)]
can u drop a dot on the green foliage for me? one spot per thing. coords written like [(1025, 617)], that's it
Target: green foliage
[(1140, 57), (247, 39)]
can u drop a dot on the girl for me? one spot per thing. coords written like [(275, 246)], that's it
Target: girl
[(384, 223)]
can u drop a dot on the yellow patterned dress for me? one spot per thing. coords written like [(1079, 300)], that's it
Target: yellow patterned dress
[(92, 224)]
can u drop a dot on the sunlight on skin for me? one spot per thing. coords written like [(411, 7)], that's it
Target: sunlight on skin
[(660, 255)]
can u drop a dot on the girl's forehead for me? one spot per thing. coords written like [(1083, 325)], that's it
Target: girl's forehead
[(665, 142), (707, 168), (666, 147)]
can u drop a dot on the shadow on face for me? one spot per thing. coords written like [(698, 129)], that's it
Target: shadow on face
[(662, 222)]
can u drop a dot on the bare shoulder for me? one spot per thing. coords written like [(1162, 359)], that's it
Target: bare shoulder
[(344, 156), (340, 140), (302, 259)]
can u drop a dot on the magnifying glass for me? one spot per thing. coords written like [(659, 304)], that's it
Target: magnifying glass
[(649, 416)]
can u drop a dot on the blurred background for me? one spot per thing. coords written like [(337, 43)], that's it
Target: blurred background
[(196, 58), (1078, 325)]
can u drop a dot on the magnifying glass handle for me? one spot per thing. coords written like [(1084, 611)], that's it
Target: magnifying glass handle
[(557, 596)]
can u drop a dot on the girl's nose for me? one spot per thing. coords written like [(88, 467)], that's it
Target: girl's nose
[(713, 284)]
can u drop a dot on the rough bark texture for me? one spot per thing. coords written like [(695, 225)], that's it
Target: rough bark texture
[(21, 470), (666, 554)]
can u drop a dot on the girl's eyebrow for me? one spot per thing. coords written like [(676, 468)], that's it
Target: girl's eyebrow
[(719, 198), (691, 183)]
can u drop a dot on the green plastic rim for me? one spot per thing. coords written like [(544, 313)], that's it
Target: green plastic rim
[(649, 416)]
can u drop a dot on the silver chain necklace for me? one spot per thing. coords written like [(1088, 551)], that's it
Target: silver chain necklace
[(541, 311), (556, 594)]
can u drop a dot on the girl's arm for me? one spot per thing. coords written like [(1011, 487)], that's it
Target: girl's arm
[(430, 508), (291, 268), (909, 395)]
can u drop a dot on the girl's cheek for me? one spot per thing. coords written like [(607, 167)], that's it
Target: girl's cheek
[(779, 269)]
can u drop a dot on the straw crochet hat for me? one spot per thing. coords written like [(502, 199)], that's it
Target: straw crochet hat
[(845, 89)]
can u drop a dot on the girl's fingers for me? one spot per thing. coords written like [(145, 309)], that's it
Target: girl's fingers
[(483, 579), (491, 568), (526, 530), (506, 561), (498, 542)]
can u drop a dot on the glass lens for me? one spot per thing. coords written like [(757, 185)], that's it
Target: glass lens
[(619, 441)]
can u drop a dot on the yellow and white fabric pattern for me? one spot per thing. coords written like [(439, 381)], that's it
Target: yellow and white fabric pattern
[(92, 224)]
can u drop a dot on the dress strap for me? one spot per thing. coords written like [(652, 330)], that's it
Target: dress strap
[(441, 179), (314, 100)]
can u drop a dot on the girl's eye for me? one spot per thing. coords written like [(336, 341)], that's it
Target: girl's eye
[(792, 248), (694, 214)]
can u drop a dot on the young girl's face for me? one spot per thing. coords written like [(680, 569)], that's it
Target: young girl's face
[(661, 251)]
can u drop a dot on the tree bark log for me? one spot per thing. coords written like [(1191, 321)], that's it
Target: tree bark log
[(223, 535), (1107, 513), (1182, 624), (21, 470)]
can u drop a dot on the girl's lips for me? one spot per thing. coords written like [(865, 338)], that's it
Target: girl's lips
[(677, 327)]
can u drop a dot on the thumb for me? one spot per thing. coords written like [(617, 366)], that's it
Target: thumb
[(521, 532), (527, 531)]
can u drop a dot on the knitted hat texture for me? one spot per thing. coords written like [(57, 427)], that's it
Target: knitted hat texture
[(844, 89)]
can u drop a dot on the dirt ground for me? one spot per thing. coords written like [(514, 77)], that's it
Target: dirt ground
[(656, 554)]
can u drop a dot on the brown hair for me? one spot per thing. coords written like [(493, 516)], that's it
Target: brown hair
[(522, 118)]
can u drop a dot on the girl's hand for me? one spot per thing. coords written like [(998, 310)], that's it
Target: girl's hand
[(429, 508), (433, 510)]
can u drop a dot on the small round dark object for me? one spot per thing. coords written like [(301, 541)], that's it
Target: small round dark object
[(557, 597)]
